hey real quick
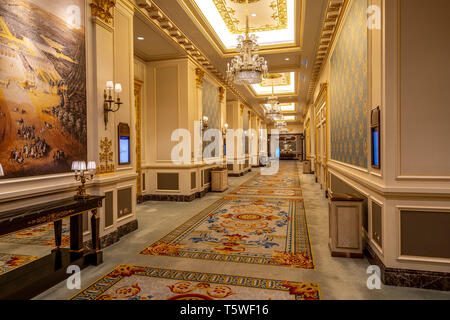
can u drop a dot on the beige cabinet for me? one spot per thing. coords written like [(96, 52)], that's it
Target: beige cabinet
[(345, 234), (307, 166), (219, 180)]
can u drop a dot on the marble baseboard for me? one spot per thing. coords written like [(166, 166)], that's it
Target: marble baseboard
[(114, 236), (236, 174), (173, 197), (409, 278)]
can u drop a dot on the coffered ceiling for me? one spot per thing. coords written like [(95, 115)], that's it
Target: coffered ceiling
[(209, 29), (277, 23)]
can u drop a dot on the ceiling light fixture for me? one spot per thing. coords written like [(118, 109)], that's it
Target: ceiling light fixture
[(274, 111), (248, 67), (287, 59), (140, 38)]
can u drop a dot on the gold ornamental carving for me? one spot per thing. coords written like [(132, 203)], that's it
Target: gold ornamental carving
[(199, 74), (243, 1), (106, 157), (221, 93), (102, 9), (277, 15)]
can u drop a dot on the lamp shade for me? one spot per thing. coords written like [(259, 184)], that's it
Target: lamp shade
[(75, 165), (82, 165), (118, 88), (91, 166), (109, 85), (1, 171)]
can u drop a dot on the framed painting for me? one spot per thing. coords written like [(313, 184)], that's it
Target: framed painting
[(42, 86)]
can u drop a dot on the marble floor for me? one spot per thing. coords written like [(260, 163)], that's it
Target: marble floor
[(339, 278)]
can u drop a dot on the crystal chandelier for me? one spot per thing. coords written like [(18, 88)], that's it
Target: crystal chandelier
[(248, 67), (274, 111)]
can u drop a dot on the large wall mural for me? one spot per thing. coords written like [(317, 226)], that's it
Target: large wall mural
[(348, 90), (211, 107), (42, 86)]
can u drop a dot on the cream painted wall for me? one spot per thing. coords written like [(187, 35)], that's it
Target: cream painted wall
[(109, 56), (413, 176)]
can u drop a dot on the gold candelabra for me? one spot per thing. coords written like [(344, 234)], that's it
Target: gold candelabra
[(83, 174)]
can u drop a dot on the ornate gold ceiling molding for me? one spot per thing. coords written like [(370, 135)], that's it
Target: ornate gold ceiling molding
[(208, 31), (279, 16), (333, 17), (102, 9), (173, 32), (277, 79), (243, 1)]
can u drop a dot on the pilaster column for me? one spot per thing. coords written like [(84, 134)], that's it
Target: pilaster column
[(198, 148)]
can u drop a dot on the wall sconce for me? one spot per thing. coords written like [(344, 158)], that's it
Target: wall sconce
[(1, 171), (225, 128), (83, 173), (205, 122), (109, 101)]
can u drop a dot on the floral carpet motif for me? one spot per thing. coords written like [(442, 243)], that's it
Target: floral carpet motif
[(43, 235), (128, 282), (255, 231), (9, 262), (266, 192)]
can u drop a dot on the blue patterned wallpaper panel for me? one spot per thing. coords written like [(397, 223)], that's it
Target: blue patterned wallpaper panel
[(211, 106), (348, 90)]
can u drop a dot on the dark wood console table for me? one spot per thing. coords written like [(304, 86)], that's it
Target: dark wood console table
[(33, 278)]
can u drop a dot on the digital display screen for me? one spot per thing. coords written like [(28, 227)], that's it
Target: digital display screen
[(375, 147), (124, 157)]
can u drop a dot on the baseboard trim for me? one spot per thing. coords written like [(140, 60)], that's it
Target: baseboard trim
[(113, 237), (409, 278), (173, 197)]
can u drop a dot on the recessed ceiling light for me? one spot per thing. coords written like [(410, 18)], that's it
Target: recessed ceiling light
[(287, 59), (140, 38), (253, 14)]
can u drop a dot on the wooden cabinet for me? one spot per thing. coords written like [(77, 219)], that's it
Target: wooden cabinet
[(345, 233), (307, 166), (219, 180)]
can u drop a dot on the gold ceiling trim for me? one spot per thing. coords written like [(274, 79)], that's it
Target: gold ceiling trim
[(333, 17), (286, 80), (279, 94), (171, 31), (228, 14), (243, 1), (208, 31)]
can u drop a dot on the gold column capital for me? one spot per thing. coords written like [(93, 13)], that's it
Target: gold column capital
[(101, 9), (221, 93), (199, 74)]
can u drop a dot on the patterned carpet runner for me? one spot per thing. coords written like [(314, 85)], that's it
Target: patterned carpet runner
[(128, 282), (254, 224)]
